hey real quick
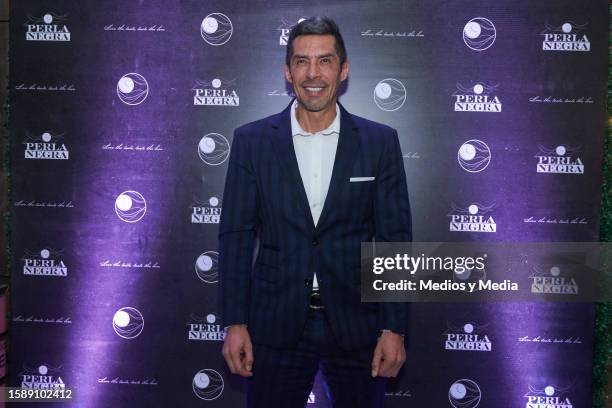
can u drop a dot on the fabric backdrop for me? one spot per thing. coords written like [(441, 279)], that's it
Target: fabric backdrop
[(122, 116)]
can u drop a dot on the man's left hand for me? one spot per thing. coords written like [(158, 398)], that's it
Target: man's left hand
[(389, 355)]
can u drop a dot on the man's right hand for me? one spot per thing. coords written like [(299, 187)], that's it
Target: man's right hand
[(238, 350)]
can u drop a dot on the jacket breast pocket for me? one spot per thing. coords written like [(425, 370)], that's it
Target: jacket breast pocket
[(362, 182), (361, 194)]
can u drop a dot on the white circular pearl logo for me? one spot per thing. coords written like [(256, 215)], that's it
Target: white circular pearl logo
[(210, 25), (46, 137), (567, 28), (560, 150), (479, 34), (206, 267), (458, 390), (462, 274), (44, 254), (207, 384), (132, 89), (473, 209), (48, 18), (216, 29), (128, 322), (474, 156), (130, 206), (43, 370), (389, 94), (213, 149), (464, 393), (468, 328)]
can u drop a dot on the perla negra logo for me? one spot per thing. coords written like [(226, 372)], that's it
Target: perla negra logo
[(474, 218), (43, 378), (47, 146), (467, 338), (552, 281), (477, 98), (45, 263), (49, 27), (567, 37), (284, 29), (205, 329), (549, 397), (218, 92), (206, 212), (561, 160)]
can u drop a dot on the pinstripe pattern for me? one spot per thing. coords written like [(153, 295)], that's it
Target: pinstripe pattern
[(283, 377), (264, 197)]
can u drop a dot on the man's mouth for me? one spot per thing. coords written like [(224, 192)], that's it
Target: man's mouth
[(313, 89)]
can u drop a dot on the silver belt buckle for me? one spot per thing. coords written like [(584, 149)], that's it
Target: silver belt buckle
[(315, 307)]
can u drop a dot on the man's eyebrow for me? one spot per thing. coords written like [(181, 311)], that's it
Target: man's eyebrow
[(313, 56)]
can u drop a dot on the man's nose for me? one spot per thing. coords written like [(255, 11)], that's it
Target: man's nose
[(313, 70)]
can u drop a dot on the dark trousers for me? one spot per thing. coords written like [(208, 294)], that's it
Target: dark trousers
[(284, 377)]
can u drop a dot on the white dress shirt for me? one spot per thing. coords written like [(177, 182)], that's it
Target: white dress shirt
[(315, 153)]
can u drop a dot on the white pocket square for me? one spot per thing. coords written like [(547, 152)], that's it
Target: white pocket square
[(358, 179)]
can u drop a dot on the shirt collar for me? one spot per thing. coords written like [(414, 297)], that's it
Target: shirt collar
[(296, 129)]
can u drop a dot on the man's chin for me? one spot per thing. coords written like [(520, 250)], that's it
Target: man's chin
[(312, 106)]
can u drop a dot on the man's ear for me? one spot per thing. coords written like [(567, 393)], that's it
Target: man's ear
[(288, 74), (345, 70)]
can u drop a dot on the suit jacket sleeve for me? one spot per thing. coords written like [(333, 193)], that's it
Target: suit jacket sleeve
[(393, 222), (237, 232)]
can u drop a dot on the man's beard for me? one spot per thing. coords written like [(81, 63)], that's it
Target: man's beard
[(314, 106)]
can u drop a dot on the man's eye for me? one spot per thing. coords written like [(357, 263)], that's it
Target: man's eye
[(325, 60), (301, 61)]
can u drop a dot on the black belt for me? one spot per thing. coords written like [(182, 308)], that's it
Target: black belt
[(315, 300)]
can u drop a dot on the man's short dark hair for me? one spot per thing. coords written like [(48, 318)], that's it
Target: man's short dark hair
[(316, 26)]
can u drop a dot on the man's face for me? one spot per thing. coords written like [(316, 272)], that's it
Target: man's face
[(315, 71)]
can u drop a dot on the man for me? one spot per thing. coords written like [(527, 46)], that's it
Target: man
[(309, 185)]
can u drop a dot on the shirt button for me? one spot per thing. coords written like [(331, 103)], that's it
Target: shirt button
[(315, 175)]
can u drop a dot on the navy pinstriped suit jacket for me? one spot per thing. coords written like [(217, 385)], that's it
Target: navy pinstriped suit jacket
[(265, 201)]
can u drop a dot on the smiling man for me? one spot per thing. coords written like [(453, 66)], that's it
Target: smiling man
[(306, 187)]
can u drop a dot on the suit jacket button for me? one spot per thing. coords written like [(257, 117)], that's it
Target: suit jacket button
[(315, 241)]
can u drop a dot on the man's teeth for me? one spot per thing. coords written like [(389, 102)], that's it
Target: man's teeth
[(309, 89)]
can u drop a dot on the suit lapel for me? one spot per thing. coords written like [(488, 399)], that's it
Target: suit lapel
[(282, 142), (347, 151)]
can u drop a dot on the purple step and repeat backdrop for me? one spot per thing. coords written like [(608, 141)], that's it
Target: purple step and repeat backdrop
[(122, 115)]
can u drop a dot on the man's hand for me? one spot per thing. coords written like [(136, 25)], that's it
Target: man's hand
[(238, 350), (389, 355)]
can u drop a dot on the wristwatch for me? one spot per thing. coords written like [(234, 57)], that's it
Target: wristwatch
[(391, 331)]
